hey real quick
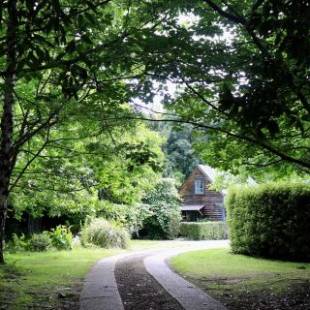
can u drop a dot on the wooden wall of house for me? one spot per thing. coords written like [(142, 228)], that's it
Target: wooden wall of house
[(210, 198)]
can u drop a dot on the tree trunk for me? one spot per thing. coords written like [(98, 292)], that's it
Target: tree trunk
[(6, 145), (3, 212)]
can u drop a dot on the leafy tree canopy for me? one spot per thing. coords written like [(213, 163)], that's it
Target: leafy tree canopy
[(66, 177), (244, 67), (64, 60), (181, 158)]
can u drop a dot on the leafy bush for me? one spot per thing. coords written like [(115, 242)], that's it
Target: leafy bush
[(129, 216), (40, 242), (204, 230), (105, 234), (61, 238), (163, 204), (270, 220), (18, 244)]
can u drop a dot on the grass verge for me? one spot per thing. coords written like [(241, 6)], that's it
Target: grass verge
[(46, 280), (53, 280), (243, 282)]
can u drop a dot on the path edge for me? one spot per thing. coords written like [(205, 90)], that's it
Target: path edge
[(186, 293)]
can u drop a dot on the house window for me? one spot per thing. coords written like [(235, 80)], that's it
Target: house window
[(199, 187)]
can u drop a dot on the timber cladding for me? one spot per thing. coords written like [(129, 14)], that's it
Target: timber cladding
[(211, 201), (187, 190)]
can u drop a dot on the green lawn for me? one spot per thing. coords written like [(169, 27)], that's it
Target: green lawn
[(137, 245), (34, 279), (225, 275)]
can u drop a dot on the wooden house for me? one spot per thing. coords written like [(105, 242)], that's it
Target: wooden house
[(199, 201)]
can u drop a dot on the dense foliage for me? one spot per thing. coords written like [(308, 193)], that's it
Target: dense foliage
[(40, 242), (204, 230), (61, 238), (65, 63), (102, 233), (157, 217), (130, 216), (270, 220), (163, 203), (17, 243), (120, 165), (180, 155), (242, 83)]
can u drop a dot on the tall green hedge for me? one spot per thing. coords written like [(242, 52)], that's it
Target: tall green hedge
[(271, 220), (204, 230)]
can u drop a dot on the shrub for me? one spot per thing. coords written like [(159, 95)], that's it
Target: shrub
[(270, 220), (100, 232), (40, 242), (17, 244), (61, 238), (204, 230), (164, 216), (163, 222), (129, 216)]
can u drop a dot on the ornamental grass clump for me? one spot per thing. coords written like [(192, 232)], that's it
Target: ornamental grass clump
[(40, 242), (102, 233)]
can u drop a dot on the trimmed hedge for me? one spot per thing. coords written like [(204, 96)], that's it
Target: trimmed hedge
[(204, 230), (271, 220)]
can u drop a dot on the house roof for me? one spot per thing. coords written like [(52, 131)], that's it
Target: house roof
[(208, 171), (192, 207)]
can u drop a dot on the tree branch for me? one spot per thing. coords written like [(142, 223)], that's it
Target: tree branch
[(250, 140), (232, 17), (35, 155), (262, 47)]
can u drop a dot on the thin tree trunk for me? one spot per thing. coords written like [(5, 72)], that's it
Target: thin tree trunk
[(3, 212), (6, 145)]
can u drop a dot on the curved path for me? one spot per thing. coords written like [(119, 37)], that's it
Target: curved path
[(138, 289), (142, 280)]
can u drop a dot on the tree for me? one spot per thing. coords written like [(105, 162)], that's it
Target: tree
[(46, 64), (181, 157), (64, 59), (118, 164), (244, 81), (163, 203), (264, 92)]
